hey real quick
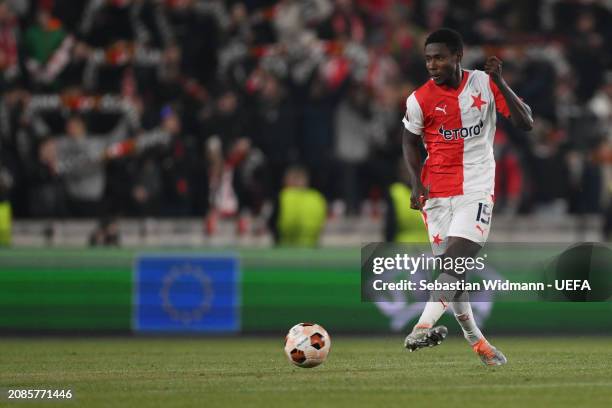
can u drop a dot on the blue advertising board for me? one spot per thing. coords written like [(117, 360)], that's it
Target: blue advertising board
[(186, 294)]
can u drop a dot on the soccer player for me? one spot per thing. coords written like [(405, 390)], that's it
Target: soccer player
[(454, 115)]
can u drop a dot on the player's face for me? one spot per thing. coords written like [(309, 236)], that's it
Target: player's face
[(441, 63)]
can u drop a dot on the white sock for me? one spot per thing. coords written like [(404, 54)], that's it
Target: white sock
[(465, 318), (435, 308), (432, 312)]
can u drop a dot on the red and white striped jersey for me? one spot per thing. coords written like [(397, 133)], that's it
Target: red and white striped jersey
[(457, 127)]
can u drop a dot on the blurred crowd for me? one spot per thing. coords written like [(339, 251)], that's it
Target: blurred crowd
[(187, 107)]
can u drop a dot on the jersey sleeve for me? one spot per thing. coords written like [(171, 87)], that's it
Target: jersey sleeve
[(413, 120), (500, 102)]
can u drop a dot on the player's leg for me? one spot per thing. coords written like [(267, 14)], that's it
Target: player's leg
[(469, 230), (437, 216)]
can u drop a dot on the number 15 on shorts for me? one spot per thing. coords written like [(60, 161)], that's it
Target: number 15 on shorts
[(484, 213)]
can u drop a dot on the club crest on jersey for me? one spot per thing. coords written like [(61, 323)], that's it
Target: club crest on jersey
[(461, 133)]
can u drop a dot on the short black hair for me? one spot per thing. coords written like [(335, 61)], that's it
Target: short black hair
[(447, 36)]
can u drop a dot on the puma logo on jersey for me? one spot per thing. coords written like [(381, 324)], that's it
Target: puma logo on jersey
[(441, 109), (463, 133)]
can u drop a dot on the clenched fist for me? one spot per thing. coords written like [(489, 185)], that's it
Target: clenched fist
[(493, 67)]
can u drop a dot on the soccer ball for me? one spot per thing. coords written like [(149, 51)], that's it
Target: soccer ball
[(307, 345)]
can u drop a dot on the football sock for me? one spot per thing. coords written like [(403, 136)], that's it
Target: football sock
[(435, 308), (465, 318), (432, 312)]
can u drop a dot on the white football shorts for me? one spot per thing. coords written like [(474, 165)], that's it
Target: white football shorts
[(467, 216)]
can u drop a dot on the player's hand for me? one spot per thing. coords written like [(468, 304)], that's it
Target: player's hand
[(493, 67), (418, 197)]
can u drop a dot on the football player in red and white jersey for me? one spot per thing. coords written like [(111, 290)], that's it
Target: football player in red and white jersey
[(454, 115)]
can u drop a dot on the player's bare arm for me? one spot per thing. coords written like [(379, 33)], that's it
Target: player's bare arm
[(412, 156), (520, 112)]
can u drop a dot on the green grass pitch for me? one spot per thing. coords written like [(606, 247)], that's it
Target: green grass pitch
[(360, 371)]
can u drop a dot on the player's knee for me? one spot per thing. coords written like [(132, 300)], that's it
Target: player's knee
[(461, 247)]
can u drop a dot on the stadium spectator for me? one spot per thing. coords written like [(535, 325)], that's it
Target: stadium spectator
[(78, 158), (317, 107), (274, 128), (299, 214), (509, 184), (6, 211), (402, 223), (47, 48), (9, 45), (6, 219), (601, 106), (356, 135)]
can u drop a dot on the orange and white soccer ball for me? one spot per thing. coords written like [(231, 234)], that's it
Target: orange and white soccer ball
[(307, 345)]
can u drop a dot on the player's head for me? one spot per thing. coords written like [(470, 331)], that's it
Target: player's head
[(443, 53)]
